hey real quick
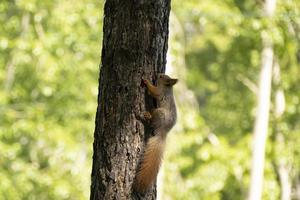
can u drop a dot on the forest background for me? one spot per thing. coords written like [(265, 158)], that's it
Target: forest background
[(50, 53)]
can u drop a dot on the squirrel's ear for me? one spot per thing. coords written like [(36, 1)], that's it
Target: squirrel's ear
[(175, 80), (172, 81)]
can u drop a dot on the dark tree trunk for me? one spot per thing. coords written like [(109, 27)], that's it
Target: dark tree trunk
[(135, 44)]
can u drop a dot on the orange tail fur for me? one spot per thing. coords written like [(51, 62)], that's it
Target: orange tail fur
[(149, 167)]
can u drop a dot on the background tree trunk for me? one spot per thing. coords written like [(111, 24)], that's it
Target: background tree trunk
[(280, 163), (134, 46), (297, 190), (263, 107)]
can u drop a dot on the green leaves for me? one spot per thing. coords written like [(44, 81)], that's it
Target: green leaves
[(49, 73)]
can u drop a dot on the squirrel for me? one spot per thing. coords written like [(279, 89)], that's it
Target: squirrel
[(161, 119)]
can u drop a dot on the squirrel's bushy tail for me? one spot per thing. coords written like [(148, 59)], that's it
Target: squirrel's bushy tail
[(150, 164)]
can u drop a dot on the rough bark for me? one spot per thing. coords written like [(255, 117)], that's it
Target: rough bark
[(134, 46), (262, 115)]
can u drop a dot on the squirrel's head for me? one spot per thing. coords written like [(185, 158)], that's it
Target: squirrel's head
[(165, 81)]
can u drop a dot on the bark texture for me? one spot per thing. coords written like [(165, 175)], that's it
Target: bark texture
[(134, 47)]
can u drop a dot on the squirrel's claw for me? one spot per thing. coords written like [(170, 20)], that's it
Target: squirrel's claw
[(145, 81)]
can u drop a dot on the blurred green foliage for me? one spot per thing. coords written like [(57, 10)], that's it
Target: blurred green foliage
[(50, 51), (220, 43), (48, 76)]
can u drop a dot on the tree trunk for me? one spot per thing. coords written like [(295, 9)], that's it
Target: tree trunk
[(285, 185), (297, 189), (281, 165), (135, 44), (262, 116)]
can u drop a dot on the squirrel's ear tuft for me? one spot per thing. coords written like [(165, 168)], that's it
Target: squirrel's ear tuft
[(172, 81)]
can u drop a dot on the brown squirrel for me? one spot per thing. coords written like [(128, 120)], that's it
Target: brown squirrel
[(161, 119)]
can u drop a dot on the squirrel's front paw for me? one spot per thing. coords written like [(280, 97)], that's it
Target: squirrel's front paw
[(147, 115), (145, 81)]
